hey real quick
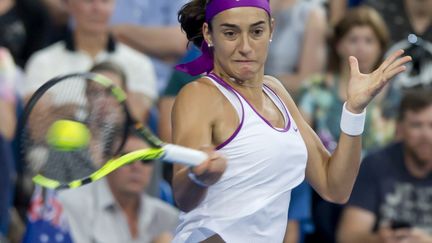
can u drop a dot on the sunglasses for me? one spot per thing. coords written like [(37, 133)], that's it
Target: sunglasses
[(142, 161)]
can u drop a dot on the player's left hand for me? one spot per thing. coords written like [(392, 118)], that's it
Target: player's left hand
[(363, 88)]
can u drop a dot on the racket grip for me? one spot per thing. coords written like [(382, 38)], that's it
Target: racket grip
[(182, 155)]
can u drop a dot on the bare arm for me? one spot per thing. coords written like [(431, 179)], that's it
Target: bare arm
[(312, 56), (333, 176), (292, 232), (337, 10), (163, 238), (356, 226), (193, 115), (166, 43)]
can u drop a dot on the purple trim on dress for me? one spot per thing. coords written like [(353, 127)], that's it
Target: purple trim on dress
[(219, 80), (220, 146), (285, 109)]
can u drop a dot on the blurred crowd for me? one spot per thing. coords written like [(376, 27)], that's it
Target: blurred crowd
[(137, 43)]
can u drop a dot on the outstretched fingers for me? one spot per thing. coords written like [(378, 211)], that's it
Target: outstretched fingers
[(390, 59), (391, 73), (399, 62)]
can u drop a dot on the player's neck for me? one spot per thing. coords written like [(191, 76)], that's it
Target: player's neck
[(254, 83), (90, 44)]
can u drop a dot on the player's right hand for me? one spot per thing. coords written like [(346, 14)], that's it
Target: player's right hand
[(212, 169)]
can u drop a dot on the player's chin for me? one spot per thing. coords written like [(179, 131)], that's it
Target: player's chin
[(245, 73)]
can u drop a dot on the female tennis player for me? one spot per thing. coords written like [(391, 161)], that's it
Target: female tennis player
[(264, 147)]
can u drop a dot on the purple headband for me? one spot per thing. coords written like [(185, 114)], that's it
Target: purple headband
[(204, 63)]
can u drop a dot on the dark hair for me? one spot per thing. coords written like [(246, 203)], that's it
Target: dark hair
[(192, 17), (359, 16), (415, 100), (111, 67)]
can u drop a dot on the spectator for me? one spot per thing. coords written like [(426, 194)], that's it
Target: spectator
[(116, 209), (301, 26), (145, 219), (90, 42), (391, 198), (24, 27), (363, 34), (152, 28)]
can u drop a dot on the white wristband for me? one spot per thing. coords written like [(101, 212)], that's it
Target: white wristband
[(352, 124), (194, 179)]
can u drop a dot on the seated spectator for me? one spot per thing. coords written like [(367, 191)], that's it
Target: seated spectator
[(90, 42), (363, 34), (391, 199), (116, 209), (129, 213)]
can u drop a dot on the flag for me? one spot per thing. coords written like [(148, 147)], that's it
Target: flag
[(46, 219)]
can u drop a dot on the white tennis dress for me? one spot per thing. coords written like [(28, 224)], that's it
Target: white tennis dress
[(250, 201)]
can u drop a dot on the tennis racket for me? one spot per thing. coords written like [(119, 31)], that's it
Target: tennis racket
[(74, 126)]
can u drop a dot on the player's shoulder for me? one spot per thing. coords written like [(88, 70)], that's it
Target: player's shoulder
[(200, 91)]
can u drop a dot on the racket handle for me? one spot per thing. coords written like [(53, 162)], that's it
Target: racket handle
[(182, 155)]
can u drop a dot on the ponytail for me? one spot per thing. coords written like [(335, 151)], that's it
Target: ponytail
[(192, 17)]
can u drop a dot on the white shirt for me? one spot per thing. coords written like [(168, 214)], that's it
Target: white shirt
[(95, 217), (250, 201), (59, 59)]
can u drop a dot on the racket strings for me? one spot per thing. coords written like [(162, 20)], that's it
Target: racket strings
[(79, 100)]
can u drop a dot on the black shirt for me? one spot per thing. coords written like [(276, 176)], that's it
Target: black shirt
[(386, 188)]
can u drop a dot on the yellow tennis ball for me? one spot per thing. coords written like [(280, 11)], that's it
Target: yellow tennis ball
[(67, 135)]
